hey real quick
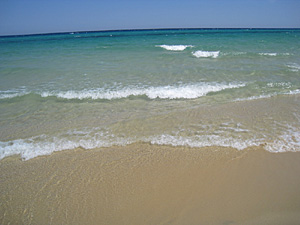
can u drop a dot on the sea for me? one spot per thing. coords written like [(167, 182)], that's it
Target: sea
[(179, 87)]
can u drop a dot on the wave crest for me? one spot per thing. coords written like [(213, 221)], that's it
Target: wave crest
[(12, 94), (206, 54), (191, 91), (268, 54), (294, 67), (175, 47), (45, 145)]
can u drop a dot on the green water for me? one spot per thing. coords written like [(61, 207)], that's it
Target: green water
[(95, 89)]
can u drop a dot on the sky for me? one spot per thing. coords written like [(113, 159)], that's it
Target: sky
[(50, 16)]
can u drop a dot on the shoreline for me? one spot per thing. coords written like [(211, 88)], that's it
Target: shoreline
[(151, 184), (272, 123)]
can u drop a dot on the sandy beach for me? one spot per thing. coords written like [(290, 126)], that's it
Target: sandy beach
[(149, 184), (150, 113)]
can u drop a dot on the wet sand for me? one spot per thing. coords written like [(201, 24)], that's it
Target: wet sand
[(149, 184)]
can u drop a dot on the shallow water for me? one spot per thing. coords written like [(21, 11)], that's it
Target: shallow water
[(195, 88)]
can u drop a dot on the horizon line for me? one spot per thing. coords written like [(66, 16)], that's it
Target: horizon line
[(150, 29)]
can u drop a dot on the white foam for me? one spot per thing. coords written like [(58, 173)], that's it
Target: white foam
[(268, 54), (201, 141), (175, 47), (234, 53), (294, 92), (294, 67), (93, 138), (280, 84), (206, 54), (45, 145), (189, 91), (288, 141), (8, 95), (5, 96), (291, 92)]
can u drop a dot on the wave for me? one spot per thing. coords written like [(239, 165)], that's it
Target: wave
[(164, 92), (289, 141), (280, 84), (294, 67), (255, 97), (191, 91), (294, 92), (201, 141), (175, 47), (273, 54), (251, 54), (268, 54), (291, 92), (46, 145), (12, 93), (187, 91), (206, 54)]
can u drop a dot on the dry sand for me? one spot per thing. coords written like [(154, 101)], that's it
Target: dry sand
[(149, 184)]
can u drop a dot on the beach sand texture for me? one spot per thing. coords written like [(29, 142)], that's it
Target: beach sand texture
[(150, 184)]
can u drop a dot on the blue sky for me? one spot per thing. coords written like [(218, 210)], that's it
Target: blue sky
[(46, 16)]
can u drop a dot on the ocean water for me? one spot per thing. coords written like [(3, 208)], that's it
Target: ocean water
[(185, 87)]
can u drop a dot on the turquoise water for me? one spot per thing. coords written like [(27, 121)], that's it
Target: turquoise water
[(98, 89)]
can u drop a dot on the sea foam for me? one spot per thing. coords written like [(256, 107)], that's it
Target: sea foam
[(45, 145), (206, 54), (294, 67), (288, 141), (291, 92), (8, 94), (175, 47), (188, 91), (200, 141), (268, 54)]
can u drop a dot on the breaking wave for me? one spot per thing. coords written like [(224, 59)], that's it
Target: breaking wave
[(273, 54), (206, 54), (291, 92), (190, 91), (11, 94), (175, 47), (46, 145), (268, 54), (164, 92), (294, 67)]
